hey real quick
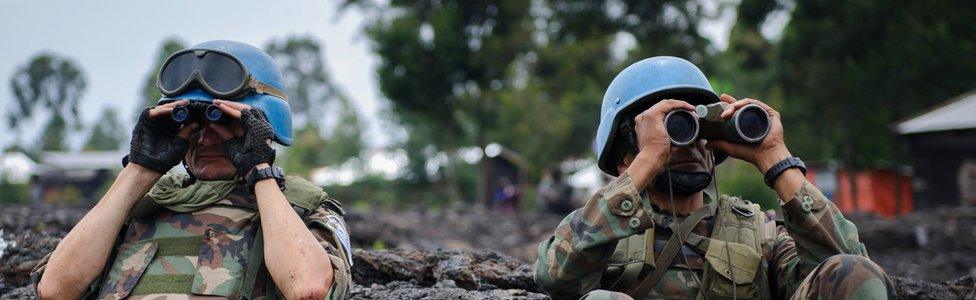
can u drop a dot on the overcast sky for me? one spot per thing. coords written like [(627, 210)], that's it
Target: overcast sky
[(114, 42)]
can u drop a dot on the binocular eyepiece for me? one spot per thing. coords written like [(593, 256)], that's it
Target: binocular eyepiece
[(748, 125), (195, 110)]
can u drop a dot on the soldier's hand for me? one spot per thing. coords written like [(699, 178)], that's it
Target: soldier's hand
[(159, 143), (250, 142), (652, 141), (764, 154), (652, 136)]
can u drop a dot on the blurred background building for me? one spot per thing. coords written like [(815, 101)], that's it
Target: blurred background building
[(942, 142)]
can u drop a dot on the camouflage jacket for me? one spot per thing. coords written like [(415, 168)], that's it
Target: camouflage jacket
[(206, 252), (591, 245)]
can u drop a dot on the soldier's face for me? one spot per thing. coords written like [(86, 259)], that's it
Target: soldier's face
[(686, 159), (207, 155), (690, 159)]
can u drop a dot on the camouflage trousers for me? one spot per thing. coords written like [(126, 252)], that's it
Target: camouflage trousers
[(841, 276)]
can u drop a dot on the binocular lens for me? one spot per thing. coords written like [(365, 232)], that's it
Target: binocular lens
[(682, 127), (181, 113), (752, 123), (196, 111), (213, 113)]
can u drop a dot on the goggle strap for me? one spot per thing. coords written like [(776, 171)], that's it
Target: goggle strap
[(262, 88)]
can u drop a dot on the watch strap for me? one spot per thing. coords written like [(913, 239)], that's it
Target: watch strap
[(782, 166), (260, 174)]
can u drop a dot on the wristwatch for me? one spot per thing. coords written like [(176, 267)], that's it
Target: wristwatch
[(260, 174), (782, 166)]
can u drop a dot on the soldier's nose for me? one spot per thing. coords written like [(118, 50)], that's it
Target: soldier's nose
[(209, 136)]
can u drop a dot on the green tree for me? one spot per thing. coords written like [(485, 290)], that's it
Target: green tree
[(150, 93), (346, 138), (47, 84), (107, 132), (14, 193), (529, 75), (850, 69), (54, 134), (443, 65), (318, 106), (306, 152), (310, 88)]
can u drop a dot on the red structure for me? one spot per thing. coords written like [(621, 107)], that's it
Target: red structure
[(881, 192)]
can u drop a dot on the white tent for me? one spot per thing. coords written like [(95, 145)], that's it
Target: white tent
[(16, 167)]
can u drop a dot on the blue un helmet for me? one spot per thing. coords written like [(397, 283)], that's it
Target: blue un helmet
[(638, 87), (232, 71)]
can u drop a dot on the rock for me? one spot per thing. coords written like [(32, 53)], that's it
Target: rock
[(470, 270), (407, 290), (26, 250), (18, 293), (492, 252), (912, 289)]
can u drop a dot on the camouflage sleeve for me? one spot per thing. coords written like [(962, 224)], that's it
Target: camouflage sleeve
[(813, 230), (329, 229), (571, 262)]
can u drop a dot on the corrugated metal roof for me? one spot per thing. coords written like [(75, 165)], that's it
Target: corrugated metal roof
[(93, 160), (957, 113)]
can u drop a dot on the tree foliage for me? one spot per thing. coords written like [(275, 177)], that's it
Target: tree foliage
[(312, 94), (850, 69), (54, 136), (48, 85), (529, 75), (107, 133), (330, 131), (443, 63), (150, 93)]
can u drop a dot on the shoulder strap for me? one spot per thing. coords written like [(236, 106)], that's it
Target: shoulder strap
[(678, 237), (254, 263)]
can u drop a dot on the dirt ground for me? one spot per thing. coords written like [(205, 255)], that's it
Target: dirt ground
[(471, 253)]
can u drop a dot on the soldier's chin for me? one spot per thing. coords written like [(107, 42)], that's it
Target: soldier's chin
[(215, 172)]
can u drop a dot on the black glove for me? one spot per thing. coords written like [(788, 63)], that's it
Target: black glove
[(253, 148), (155, 144)]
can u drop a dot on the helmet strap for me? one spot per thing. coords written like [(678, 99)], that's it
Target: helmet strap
[(262, 88)]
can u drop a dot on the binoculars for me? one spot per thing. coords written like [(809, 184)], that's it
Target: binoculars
[(195, 111), (748, 125)]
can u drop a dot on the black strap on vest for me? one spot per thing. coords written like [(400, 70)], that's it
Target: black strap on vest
[(679, 234)]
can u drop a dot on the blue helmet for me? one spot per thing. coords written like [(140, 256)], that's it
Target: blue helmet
[(639, 86), (262, 68)]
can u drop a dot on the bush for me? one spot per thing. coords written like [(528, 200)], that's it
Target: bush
[(14, 193), (739, 178)]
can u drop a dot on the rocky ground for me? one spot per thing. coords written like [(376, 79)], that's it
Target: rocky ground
[(475, 254)]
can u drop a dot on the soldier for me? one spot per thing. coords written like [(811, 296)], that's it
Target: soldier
[(624, 243), (233, 226)]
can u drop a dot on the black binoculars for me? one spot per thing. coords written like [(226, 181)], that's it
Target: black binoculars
[(195, 111), (748, 125)]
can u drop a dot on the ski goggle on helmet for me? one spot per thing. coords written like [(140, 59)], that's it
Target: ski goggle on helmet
[(215, 72)]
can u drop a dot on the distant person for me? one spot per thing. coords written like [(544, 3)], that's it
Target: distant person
[(967, 182), (233, 227), (505, 197), (652, 233), (554, 194)]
